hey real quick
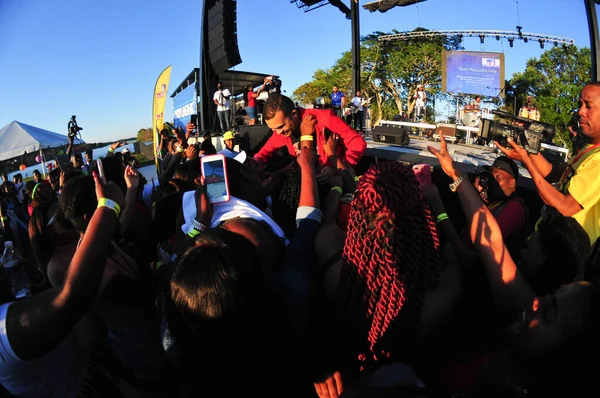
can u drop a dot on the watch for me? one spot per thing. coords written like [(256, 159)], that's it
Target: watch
[(454, 186)]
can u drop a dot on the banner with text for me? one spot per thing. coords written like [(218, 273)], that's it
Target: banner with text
[(184, 106), (161, 90)]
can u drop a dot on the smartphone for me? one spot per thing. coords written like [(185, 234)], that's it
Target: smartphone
[(327, 133), (214, 171), (100, 169), (423, 173)]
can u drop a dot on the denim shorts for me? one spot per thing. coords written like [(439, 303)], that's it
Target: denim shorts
[(251, 111)]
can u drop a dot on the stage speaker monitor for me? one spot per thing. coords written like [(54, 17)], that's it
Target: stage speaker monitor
[(391, 135), (222, 35), (449, 130), (252, 138)]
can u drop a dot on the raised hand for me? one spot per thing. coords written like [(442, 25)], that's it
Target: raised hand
[(308, 125), (444, 157), (306, 158), (132, 177), (204, 209), (510, 152), (108, 190)]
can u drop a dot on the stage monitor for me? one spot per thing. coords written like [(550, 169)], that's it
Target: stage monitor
[(473, 72)]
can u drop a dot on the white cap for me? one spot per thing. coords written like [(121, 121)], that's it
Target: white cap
[(125, 150)]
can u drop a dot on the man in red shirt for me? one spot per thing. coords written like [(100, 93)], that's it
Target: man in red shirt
[(286, 120)]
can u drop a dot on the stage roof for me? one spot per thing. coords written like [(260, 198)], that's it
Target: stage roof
[(235, 81)]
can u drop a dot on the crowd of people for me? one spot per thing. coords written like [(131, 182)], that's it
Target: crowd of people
[(314, 279)]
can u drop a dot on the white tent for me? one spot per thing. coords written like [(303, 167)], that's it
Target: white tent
[(17, 138)]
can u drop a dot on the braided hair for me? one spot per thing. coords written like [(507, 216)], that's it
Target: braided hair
[(390, 258)]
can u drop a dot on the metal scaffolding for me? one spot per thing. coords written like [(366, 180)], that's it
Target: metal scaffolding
[(481, 34)]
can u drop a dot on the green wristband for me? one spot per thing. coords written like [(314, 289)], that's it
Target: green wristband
[(337, 189), (441, 217)]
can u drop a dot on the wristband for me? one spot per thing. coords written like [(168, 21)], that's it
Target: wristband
[(180, 149), (4, 218), (193, 232), (198, 225), (441, 217), (306, 138), (34, 189), (111, 150), (337, 189), (111, 204)]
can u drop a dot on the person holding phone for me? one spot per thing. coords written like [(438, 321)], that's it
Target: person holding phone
[(293, 126)]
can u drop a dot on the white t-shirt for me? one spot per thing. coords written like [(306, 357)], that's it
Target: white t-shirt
[(421, 96), (358, 102), (223, 103), (59, 373)]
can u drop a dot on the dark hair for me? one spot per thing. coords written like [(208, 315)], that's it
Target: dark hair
[(567, 247), (18, 177), (78, 199), (277, 102), (221, 316), (40, 234)]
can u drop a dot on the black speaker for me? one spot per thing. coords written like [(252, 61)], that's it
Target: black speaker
[(222, 35), (252, 138), (391, 135)]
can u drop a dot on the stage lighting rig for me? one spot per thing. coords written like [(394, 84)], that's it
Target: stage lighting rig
[(541, 43), (481, 39), (520, 31), (511, 41)]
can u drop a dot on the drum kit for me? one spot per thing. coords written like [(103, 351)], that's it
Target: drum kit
[(470, 115)]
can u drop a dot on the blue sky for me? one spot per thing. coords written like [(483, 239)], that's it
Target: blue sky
[(99, 60)]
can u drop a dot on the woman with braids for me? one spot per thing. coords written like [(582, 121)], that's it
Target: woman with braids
[(391, 287)]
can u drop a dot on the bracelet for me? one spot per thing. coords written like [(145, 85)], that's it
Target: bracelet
[(180, 149), (193, 232), (198, 225), (111, 204), (454, 186), (337, 189), (306, 138), (441, 217)]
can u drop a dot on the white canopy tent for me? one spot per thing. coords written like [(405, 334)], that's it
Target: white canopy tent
[(17, 138)]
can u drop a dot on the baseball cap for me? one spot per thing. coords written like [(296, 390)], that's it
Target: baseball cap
[(508, 165), (228, 135), (125, 150)]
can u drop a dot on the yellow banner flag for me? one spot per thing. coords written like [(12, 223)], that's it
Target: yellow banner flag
[(161, 90)]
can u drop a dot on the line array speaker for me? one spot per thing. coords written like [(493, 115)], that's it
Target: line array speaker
[(222, 35)]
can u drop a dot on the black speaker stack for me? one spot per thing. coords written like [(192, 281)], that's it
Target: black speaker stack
[(222, 35)]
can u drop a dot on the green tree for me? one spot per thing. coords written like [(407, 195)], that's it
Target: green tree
[(144, 135), (554, 81), (390, 73)]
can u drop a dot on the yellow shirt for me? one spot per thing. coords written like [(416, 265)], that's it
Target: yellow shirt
[(581, 179)]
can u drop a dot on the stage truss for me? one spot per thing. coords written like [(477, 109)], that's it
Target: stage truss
[(482, 34)]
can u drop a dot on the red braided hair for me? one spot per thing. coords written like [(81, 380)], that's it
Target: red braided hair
[(390, 258)]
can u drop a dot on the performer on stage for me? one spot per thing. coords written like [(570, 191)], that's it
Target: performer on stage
[(421, 97), (359, 104), (476, 106), (221, 100), (529, 110), (338, 100)]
